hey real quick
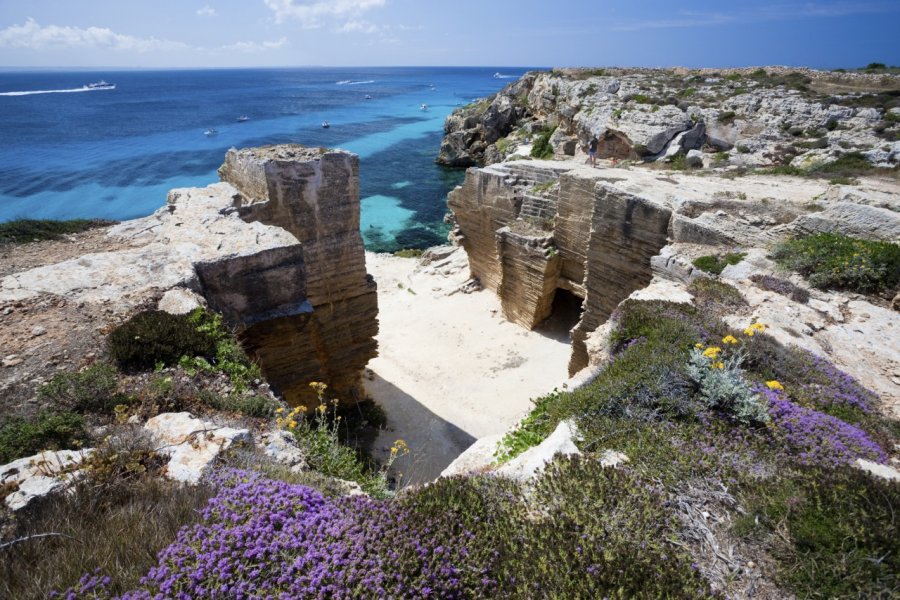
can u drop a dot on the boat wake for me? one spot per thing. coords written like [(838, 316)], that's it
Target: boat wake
[(68, 91), (351, 82), (502, 76)]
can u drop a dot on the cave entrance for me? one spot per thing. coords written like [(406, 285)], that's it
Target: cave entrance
[(614, 145), (564, 315)]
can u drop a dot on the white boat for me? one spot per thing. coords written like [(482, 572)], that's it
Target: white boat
[(325, 124), (497, 75), (243, 118), (210, 132), (100, 85), (368, 96), (423, 107)]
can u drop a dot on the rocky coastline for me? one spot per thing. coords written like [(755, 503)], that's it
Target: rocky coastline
[(721, 414)]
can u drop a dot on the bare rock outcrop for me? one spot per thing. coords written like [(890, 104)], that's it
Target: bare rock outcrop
[(275, 248), (744, 117)]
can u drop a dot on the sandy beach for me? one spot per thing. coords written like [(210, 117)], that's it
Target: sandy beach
[(450, 368)]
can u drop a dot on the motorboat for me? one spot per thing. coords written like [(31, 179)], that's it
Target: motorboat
[(368, 96), (210, 132), (325, 124), (497, 75), (101, 85), (243, 118), (423, 107)]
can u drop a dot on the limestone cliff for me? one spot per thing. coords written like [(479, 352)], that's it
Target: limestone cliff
[(773, 116), (275, 248), (538, 231)]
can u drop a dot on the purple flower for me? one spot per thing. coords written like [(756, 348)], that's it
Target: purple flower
[(817, 438)]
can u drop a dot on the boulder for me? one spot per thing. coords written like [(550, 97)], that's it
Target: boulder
[(191, 443), (37, 476), (877, 469), (694, 159), (180, 301), (653, 130), (281, 446), (478, 457), (855, 220), (613, 458)]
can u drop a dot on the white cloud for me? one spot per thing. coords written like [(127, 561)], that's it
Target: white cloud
[(309, 13), (206, 11), (357, 27), (33, 36), (254, 47)]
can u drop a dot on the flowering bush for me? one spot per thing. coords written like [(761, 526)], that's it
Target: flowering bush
[(817, 438), (319, 436), (813, 381), (261, 538), (721, 382)]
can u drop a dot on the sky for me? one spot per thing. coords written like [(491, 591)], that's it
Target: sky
[(279, 33)]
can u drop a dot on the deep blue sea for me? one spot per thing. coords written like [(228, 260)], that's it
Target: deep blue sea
[(115, 153)]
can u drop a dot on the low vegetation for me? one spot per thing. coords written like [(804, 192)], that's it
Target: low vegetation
[(715, 264), (829, 260), (779, 424), (20, 231), (781, 286), (542, 147), (54, 430)]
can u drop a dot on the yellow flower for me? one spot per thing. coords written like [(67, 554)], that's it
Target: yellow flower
[(292, 424), (729, 339), (718, 365), (712, 352), (750, 331), (774, 385), (698, 345), (279, 410)]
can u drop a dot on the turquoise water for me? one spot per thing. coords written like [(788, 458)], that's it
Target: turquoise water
[(115, 153)]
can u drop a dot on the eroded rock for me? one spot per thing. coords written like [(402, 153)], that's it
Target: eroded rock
[(37, 476), (192, 444)]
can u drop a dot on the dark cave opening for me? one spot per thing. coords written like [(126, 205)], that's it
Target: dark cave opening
[(565, 314)]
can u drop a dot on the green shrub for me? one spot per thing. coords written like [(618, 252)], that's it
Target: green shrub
[(153, 337), (229, 357), (531, 431), (542, 147), (20, 231), (642, 99), (715, 294), (49, 431), (847, 164), (830, 260), (409, 253), (834, 532), (600, 533), (715, 265), (726, 117), (93, 389), (250, 405)]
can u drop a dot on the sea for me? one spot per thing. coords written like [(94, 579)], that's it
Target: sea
[(71, 151)]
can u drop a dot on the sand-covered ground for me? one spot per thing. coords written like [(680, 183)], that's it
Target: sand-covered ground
[(450, 368)]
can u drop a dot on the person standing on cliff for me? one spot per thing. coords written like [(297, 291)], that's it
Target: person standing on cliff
[(592, 151)]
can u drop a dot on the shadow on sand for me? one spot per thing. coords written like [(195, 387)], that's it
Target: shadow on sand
[(433, 441)]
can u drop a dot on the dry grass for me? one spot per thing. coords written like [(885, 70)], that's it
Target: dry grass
[(118, 526)]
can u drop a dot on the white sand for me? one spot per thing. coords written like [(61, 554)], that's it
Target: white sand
[(450, 368)]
